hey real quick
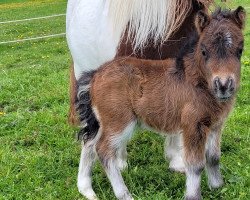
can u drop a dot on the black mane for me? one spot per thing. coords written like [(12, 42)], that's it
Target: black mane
[(220, 14), (187, 48)]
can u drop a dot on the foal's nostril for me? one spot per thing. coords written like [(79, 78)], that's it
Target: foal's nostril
[(223, 86), (231, 89), (217, 83), (230, 82)]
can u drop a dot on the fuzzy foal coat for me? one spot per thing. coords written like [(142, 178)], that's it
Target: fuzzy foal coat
[(157, 94), (173, 95)]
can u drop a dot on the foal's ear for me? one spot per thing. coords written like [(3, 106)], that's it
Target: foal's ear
[(201, 21), (239, 16)]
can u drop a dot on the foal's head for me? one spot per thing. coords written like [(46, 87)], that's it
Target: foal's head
[(219, 50)]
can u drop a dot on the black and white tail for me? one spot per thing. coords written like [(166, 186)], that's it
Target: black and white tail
[(88, 121)]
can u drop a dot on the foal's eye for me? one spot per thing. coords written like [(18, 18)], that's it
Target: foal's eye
[(204, 52), (239, 52)]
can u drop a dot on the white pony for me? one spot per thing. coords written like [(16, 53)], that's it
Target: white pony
[(94, 29)]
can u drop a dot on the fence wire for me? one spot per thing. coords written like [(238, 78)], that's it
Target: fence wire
[(34, 38), (30, 19), (39, 37)]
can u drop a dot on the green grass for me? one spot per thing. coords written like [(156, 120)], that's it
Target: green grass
[(38, 152)]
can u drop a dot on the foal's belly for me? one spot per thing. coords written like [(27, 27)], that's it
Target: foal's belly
[(159, 118), (160, 132), (159, 112)]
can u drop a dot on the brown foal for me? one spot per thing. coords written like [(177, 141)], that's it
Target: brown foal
[(192, 93)]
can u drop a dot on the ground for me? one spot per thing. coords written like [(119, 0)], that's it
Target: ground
[(39, 154)]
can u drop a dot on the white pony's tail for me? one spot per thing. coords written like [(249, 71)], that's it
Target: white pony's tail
[(156, 19)]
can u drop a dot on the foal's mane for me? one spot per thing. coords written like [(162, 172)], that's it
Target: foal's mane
[(220, 14), (189, 45), (237, 16)]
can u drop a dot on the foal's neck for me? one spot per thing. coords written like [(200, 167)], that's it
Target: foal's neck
[(187, 63), (189, 71)]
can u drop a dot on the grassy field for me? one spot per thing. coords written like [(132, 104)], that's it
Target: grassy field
[(38, 152)]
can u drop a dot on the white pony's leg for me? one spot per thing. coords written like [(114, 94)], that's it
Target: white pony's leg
[(84, 181), (174, 152)]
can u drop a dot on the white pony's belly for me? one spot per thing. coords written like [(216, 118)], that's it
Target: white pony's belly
[(89, 35)]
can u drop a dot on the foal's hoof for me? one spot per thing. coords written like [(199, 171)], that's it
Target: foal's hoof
[(177, 165), (179, 170), (216, 183), (122, 164), (198, 197), (88, 193), (192, 198), (126, 196)]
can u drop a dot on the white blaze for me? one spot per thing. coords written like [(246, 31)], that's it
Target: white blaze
[(228, 39)]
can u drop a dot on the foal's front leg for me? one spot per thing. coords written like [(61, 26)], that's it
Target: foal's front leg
[(212, 159), (194, 140), (173, 149)]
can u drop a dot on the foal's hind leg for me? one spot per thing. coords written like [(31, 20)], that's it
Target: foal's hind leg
[(84, 182), (122, 157), (174, 152), (109, 149), (212, 159)]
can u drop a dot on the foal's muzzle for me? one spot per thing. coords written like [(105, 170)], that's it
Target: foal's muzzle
[(223, 88)]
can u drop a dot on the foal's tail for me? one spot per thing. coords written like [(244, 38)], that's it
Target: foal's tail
[(88, 121)]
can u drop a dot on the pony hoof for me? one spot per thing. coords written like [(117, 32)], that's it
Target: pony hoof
[(216, 184), (126, 196), (122, 164), (88, 193), (177, 165), (198, 197), (178, 170)]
